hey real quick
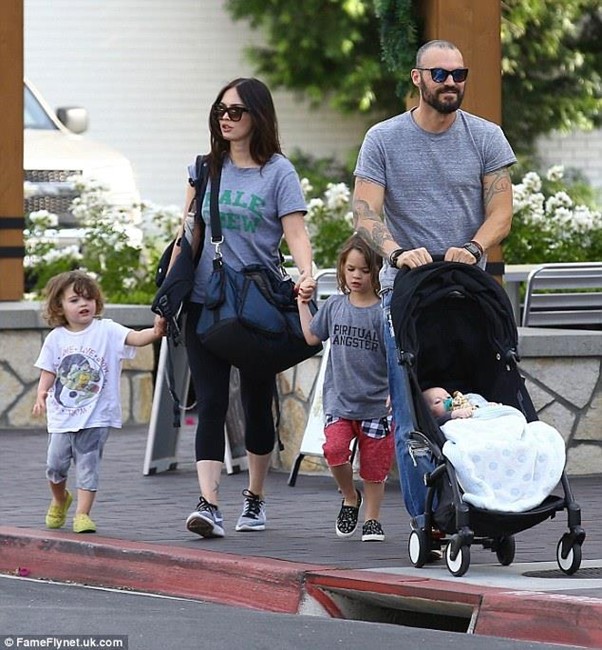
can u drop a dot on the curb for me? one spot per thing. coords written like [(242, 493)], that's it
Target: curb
[(535, 616), (268, 585), (492, 611), (288, 587)]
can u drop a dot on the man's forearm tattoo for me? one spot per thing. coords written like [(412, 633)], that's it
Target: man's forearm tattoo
[(495, 183), (370, 227)]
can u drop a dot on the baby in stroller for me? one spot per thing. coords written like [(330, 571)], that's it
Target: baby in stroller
[(454, 327), (502, 461), (445, 407)]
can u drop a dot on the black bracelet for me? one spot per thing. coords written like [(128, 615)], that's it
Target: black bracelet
[(474, 249), (394, 256)]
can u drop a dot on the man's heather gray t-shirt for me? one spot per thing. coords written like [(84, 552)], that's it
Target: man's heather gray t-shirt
[(252, 202), (355, 382), (433, 181)]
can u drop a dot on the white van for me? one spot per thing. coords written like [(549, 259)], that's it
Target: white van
[(54, 151)]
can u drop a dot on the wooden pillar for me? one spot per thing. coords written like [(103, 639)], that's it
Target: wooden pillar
[(11, 150), (474, 26)]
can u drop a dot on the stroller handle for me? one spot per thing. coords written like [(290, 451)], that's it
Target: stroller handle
[(438, 258)]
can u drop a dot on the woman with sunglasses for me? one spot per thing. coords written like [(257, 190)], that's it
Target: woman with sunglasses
[(433, 180), (260, 201)]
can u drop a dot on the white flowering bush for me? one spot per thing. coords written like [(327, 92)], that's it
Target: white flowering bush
[(123, 257), (120, 254), (329, 221), (43, 255), (550, 224)]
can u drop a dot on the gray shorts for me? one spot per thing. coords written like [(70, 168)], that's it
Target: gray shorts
[(84, 448)]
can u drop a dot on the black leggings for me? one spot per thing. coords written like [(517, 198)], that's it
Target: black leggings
[(211, 381)]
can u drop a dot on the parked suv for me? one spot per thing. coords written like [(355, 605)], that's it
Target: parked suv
[(54, 151)]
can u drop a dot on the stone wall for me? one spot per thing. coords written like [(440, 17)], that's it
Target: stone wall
[(562, 370), (563, 375)]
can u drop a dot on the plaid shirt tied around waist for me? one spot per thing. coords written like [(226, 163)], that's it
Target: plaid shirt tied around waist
[(372, 427)]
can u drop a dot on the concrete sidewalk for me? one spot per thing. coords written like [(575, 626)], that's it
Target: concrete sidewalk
[(298, 564)]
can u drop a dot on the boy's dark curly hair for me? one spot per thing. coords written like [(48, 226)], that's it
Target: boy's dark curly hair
[(83, 285)]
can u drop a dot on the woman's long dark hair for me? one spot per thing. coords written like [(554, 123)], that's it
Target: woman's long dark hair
[(265, 142)]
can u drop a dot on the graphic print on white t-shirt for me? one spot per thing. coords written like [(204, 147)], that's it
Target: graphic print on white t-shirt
[(79, 380)]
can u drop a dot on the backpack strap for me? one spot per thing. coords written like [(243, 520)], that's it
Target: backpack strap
[(174, 339), (200, 185), (216, 227)]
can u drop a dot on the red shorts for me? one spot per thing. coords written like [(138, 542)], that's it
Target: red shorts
[(375, 454)]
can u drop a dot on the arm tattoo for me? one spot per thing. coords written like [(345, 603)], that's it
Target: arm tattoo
[(374, 233), (494, 183)]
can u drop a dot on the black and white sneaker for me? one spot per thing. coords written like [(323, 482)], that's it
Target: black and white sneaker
[(206, 520), (372, 531), (347, 518)]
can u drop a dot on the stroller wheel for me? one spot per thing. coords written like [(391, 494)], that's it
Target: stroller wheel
[(505, 550), (572, 561), (418, 548), (458, 566)]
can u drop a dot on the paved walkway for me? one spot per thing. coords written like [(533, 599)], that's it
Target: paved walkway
[(150, 511)]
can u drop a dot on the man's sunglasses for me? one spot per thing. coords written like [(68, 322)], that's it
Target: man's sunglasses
[(234, 112), (440, 75)]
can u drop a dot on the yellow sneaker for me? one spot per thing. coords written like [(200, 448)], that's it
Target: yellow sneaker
[(57, 515), (83, 524)]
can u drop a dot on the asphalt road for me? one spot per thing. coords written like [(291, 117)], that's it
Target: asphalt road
[(147, 622)]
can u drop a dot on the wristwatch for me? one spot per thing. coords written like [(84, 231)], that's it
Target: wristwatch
[(394, 256), (474, 249)]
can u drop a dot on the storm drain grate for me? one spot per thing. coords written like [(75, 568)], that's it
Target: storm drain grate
[(582, 574)]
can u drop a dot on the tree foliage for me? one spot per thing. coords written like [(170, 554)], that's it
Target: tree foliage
[(325, 49), (551, 67), (400, 26), (357, 55)]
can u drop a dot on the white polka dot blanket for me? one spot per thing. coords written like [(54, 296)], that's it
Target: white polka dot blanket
[(503, 462)]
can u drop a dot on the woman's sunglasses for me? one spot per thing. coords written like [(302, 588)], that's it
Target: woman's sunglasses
[(234, 112), (439, 75)]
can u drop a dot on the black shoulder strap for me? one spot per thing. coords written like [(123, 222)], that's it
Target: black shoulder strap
[(200, 185), (216, 226)]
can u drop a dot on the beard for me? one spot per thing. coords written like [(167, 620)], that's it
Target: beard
[(441, 106)]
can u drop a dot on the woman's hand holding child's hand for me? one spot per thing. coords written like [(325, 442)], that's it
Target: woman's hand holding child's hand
[(305, 289), (160, 326)]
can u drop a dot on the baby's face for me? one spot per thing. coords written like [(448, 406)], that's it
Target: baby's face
[(436, 399)]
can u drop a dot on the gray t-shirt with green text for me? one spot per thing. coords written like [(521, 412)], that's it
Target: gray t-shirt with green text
[(252, 202)]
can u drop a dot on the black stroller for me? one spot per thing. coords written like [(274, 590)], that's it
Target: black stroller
[(454, 327)]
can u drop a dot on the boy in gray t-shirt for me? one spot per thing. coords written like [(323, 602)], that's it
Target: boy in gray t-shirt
[(355, 390)]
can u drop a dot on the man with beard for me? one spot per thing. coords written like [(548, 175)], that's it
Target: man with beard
[(433, 180)]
